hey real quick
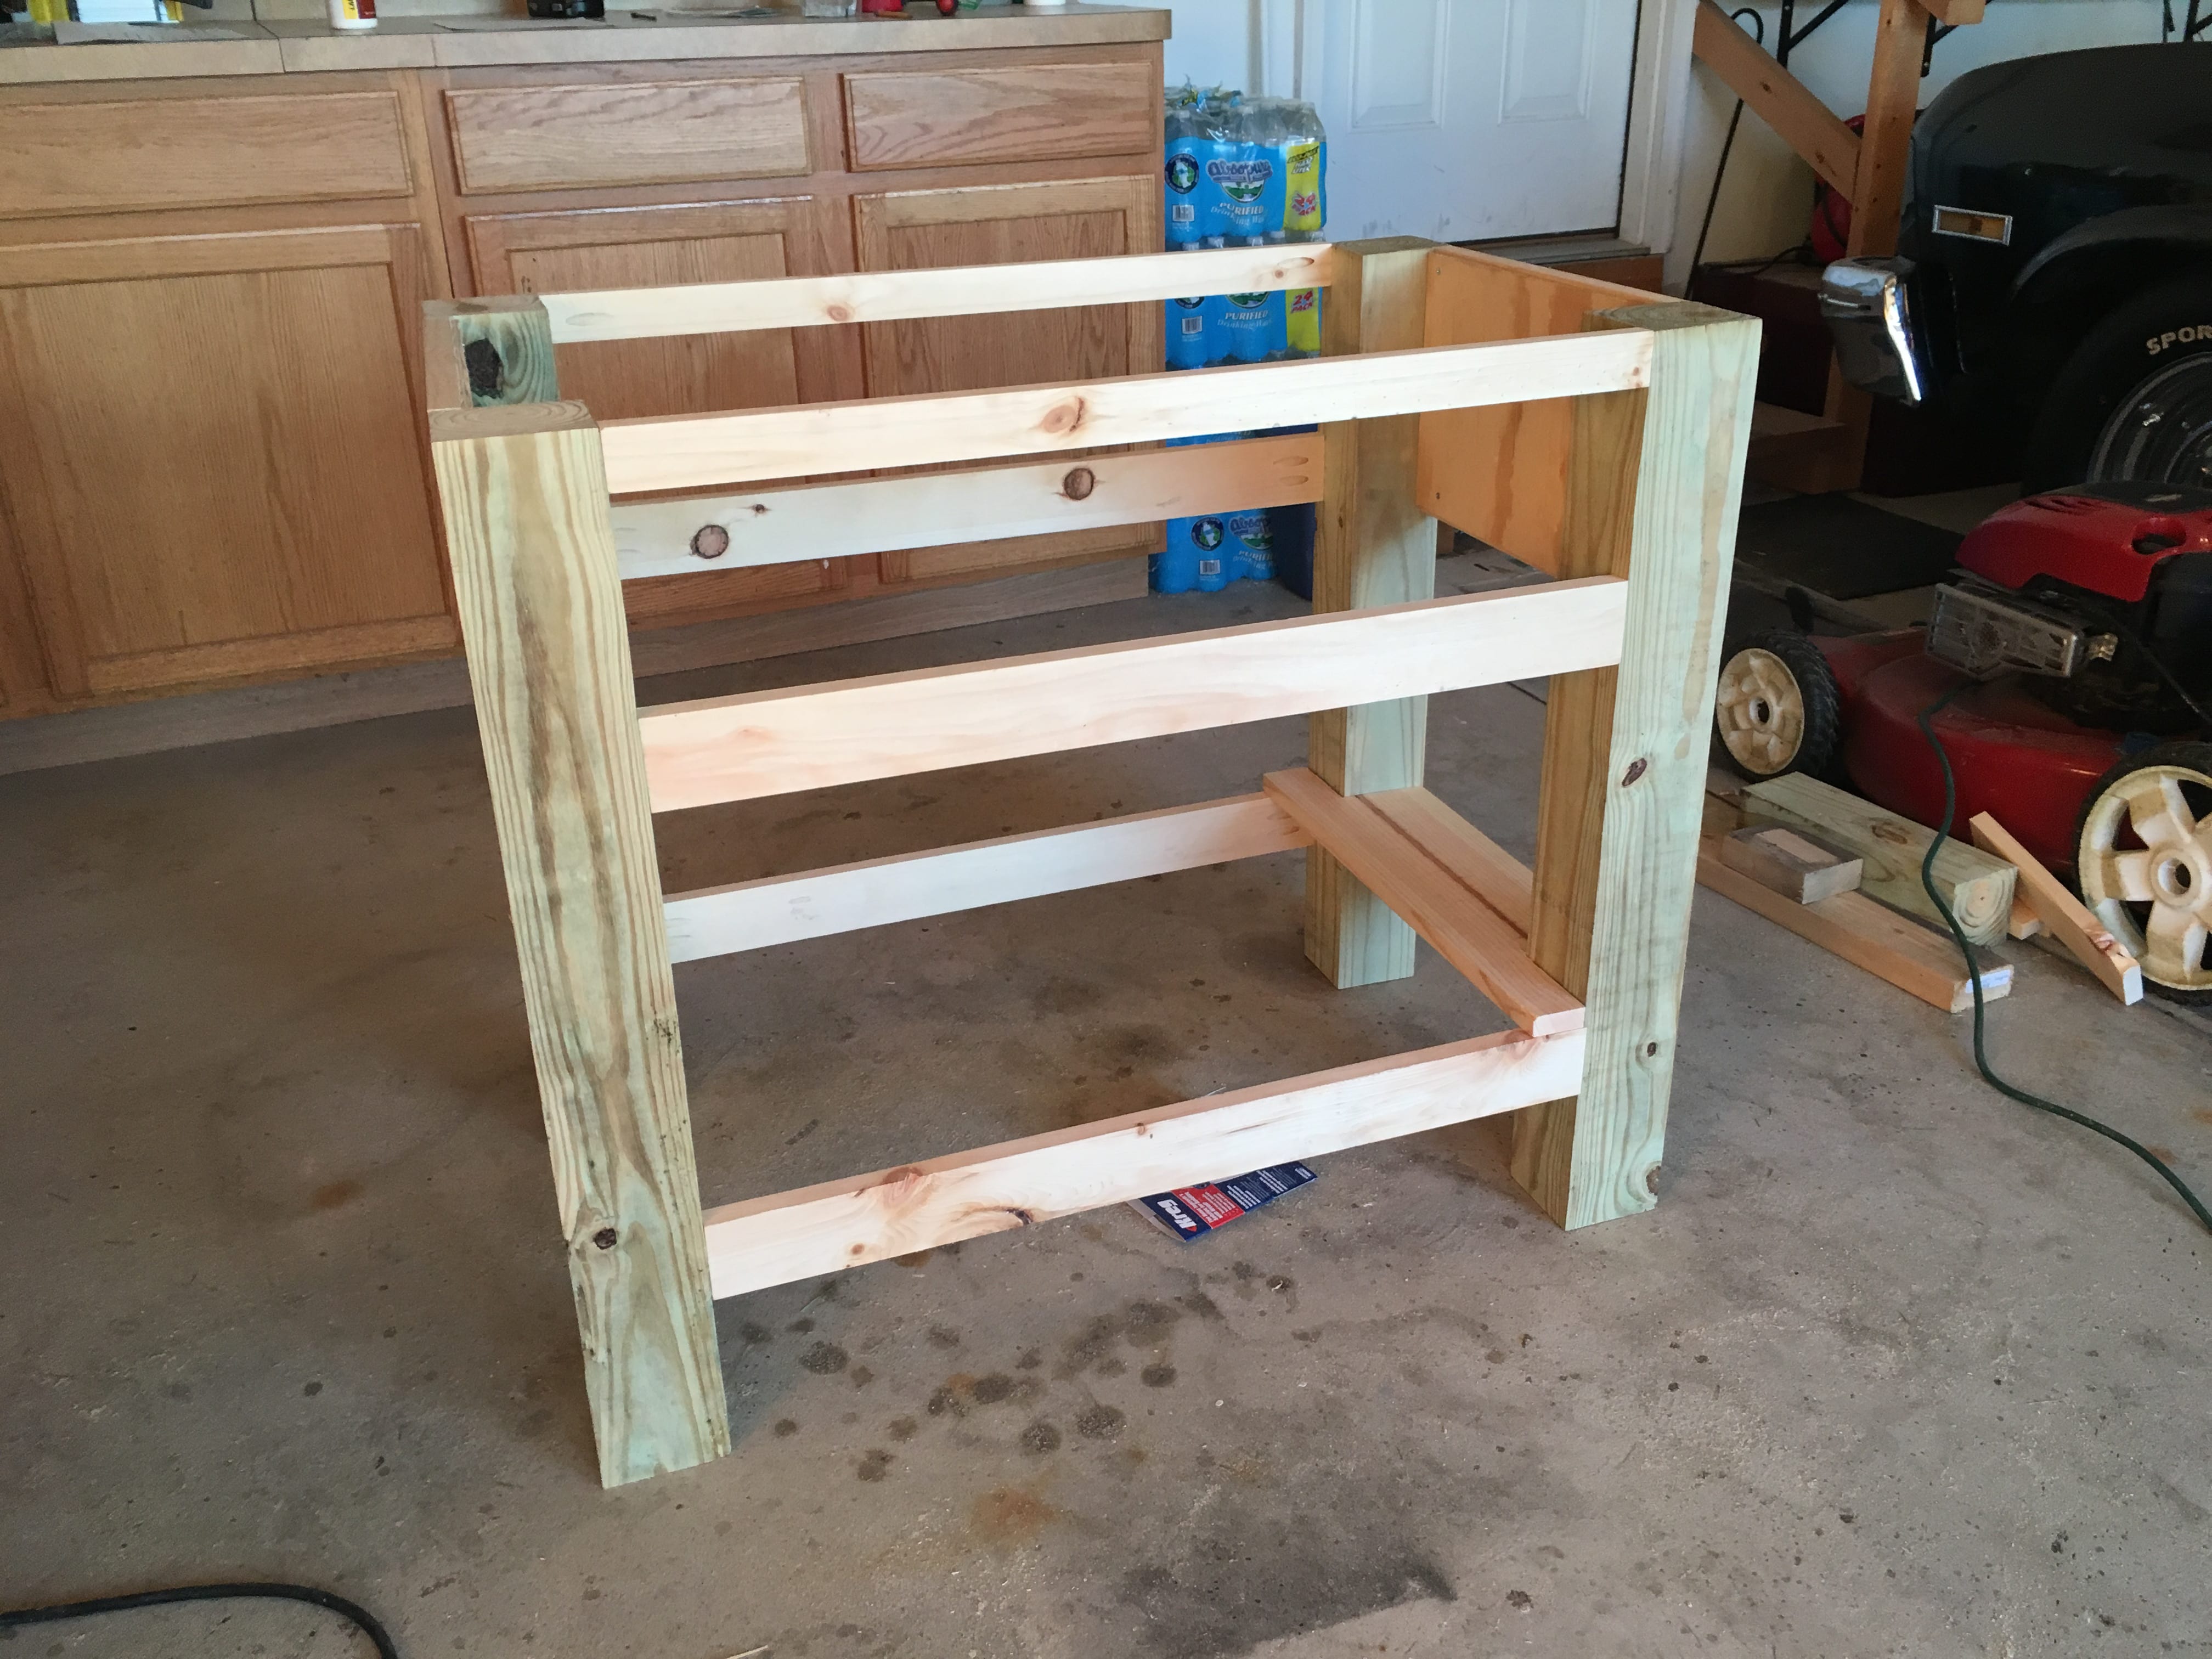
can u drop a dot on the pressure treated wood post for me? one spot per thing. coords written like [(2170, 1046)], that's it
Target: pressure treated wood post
[(482, 352), (1373, 546), (1653, 482), (524, 498)]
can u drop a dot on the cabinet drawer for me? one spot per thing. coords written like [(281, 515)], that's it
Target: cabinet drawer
[(200, 152), (1045, 112), (651, 132)]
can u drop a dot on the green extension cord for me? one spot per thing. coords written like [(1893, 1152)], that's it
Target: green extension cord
[(1974, 976)]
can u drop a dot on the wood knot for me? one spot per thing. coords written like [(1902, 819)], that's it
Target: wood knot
[(838, 312), (1637, 768), (709, 541), (1890, 830), (1651, 1180), (1079, 483), (605, 1238), (1063, 418)]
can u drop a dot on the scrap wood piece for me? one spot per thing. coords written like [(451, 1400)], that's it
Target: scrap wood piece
[(1867, 935), (1790, 863), (2070, 921), (1977, 887)]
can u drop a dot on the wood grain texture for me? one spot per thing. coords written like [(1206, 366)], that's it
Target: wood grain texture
[(142, 152), (568, 137), (1653, 484), (1486, 950), (703, 305), (910, 235), (940, 117), (549, 662), (940, 1200), (701, 451), (1467, 855), (1977, 887), (1499, 473), (1877, 188), (768, 742), (675, 37), (817, 521), (1373, 546), (710, 245), (1778, 98), (1783, 861), (1867, 935), (2071, 922), (189, 472), (779, 909)]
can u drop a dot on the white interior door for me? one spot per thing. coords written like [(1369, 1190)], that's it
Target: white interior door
[(1464, 120)]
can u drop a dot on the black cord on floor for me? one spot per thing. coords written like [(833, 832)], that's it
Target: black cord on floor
[(336, 1604), (1974, 976)]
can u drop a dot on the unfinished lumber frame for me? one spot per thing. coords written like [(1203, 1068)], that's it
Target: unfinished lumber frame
[(1597, 435)]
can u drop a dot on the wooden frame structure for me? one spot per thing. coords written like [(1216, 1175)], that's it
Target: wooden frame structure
[(1599, 435)]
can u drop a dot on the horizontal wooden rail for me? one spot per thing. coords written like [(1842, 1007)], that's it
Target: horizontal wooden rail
[(977, 504), (695, 452), (747, 915), (941, 1201), (883, 296), (770, 742), (1491, 954)]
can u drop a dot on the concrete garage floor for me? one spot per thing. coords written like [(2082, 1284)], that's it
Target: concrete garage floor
[(1895, 1367)]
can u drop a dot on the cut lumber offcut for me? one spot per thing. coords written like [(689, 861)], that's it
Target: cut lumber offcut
[(779, 909), (1468, 857), (888, 725), (2025, 923), (1790, 862), (941, 1201), (974, 504), (1465, 932), (2071, 922), (1868, 935), (1977, 887)]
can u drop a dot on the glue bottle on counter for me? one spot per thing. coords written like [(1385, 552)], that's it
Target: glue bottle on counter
[(352, 14)]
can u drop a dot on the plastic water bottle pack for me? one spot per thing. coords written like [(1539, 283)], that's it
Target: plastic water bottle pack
[(1241, 172)]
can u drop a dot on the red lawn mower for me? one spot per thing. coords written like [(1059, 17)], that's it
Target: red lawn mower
[(2077, 639)]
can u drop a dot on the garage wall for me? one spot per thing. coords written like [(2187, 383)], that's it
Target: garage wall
[(1768, 196)]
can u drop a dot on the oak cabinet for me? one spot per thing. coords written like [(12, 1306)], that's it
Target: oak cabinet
[(215, 471), (688, 374), (1002, 224)]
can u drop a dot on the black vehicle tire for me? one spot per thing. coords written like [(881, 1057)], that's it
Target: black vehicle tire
[(2152, 356), (1777, 709), (2172, 866)]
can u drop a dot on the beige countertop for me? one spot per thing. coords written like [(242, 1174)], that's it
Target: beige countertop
[(427, 42)]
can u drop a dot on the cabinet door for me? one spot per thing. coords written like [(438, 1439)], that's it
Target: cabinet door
[(691, 374), (1001, 224), (214, 468)]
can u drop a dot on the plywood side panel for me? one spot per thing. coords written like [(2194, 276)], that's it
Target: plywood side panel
[(1500, 473)]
